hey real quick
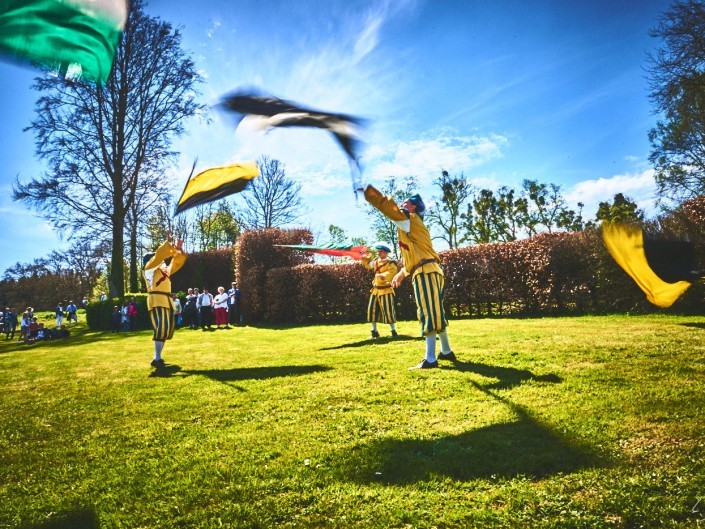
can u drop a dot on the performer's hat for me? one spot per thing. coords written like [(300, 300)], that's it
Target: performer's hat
[(418, 202), (146, 259), (382, 246)]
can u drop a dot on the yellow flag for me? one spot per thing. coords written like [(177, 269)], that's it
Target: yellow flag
[(216, 183), (626, 245)]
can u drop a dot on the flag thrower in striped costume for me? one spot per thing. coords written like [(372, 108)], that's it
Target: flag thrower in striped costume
[(333, 250), (78, 38), (215, 183)]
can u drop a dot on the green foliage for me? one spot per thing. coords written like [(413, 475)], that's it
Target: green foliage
[(383, 228), (99, 313), (209, 269), (447, 214), (622, 209), (591, 422)]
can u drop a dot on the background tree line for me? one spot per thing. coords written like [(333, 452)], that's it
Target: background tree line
[(108, 147)]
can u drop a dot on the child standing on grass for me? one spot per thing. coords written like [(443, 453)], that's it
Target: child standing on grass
[(116, 319)]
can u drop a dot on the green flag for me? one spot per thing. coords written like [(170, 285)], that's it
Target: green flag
[(76, 37)]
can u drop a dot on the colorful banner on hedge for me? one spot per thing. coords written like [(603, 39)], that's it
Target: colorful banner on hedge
[(76, 37), (333, 250), (663, 269), (215, 183)]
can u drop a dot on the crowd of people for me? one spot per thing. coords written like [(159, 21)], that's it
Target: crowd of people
[(30, 329), (202, 310)]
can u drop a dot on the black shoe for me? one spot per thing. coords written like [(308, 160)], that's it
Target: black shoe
[(157, 363), (374, 334), (425, 364), (450, 356), (394, 334)]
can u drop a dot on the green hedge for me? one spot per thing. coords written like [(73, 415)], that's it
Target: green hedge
[(99, 313)]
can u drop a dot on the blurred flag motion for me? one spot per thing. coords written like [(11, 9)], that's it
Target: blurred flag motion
[(334, 250), (77, 38), (215, 183), (663, 269)]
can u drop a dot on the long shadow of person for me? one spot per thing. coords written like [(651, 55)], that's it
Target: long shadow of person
[(369, 341), (523, 447), (506, 377)]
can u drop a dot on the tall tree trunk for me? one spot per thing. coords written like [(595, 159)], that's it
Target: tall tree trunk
[(116, 279), (134, 279)]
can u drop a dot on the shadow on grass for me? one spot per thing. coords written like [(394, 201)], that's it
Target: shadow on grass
[(373, 341), (239, 374), (507, 377), (694, 324), (78, 519), (257, 373), (522, 448)]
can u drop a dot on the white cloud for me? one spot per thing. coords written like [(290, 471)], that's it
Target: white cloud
[(639, 187), (438, 150)]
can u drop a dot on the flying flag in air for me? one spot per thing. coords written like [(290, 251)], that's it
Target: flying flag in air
[(215, 183), (663, 269), (75, 37), (333, 250), (265, 112)]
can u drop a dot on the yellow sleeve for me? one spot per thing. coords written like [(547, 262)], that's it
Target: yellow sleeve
[(384, 204), (165, 251), (367, 262)]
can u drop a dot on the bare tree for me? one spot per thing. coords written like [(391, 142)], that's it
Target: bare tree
[(106, 145), (272, 200)]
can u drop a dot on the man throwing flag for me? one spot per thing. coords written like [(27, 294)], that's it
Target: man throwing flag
[(157, 275), (422, 264), (381, 305)]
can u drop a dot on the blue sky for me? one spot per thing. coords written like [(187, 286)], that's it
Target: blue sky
[(499, 91)]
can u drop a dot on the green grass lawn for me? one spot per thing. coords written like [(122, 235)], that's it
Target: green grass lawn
[(575, 422)]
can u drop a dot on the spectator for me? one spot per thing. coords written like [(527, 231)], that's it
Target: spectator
[(125, 318), (132, 312), (103, 297), (10, 323), (64, 332), (206, 303), (220, 306), (71, 312), (198, 307), (234, 304), (177, 310), (189, 312), (116, 319), (59, 314), (84, 303), (41, 332), (33, 330), (25, 321)]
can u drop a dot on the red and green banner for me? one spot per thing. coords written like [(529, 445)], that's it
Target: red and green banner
[(333, 250)]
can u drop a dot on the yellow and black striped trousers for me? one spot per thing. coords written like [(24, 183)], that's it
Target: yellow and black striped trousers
[(163, 323), (428, 292), (381, 309)]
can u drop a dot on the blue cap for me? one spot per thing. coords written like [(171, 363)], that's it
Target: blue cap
[(146, 259), (418, 202), (382, 246)]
